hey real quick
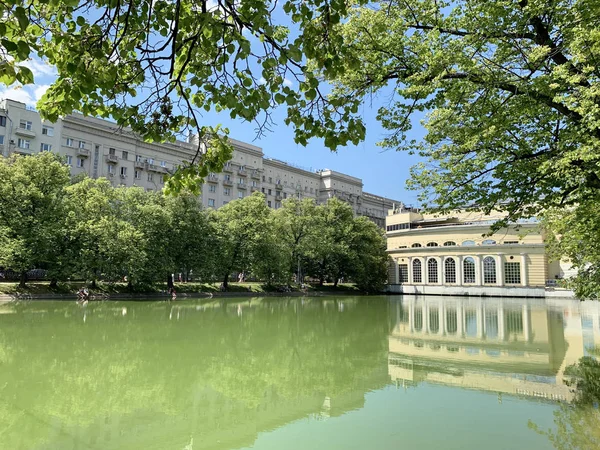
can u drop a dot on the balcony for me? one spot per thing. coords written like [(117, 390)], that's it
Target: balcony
[(255, 175), (139, 165), (228, 168), (23, 151), (83, 152), (212, 178), (242, 186), (112, 159), (25, 133), (242, 173), (227, 183), (254, 189)]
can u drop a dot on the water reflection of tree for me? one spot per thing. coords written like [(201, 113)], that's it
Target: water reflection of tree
[(578, 424), (206, 371)]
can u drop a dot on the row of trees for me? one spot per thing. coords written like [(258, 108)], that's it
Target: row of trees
[(91, 230)]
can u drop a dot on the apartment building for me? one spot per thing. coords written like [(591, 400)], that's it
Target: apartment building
[(99, 148), (453, 255)]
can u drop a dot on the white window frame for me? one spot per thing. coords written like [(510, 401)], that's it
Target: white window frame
[(47, 130), (24, 143), (70, 142), (25, 124), (45, 147), (211, 202), (80, 162)]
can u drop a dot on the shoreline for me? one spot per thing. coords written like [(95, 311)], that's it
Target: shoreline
[(153, 296)]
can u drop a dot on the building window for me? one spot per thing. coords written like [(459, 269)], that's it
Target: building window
[(81, 144), (432, 244), (449, 243), (70, 142), (241, 181), (468, 243), (269, 203), (23, 143), (150, 177), (510, 242), (26, 125), (270, 179), (489, 270), (415, 245), (138, 158), (226, 191), (137, 174), (80, 162), (432, 272), (45, 147), (111, 169), (403, 273), (69, 160), (277, 205), (263, 178), (211, 202), (240, 195), (417, 271), (284, 195), (469, 270), (124, 154), (227, 177), (212, 188), (269, 191), (488, 242), (512, 273), (1, 139), (3, 122), (112, 151), (450, 269), (163, 164), (123, 171), (48, 131), (225, 202)]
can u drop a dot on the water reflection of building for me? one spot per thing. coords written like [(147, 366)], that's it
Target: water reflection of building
[(498, 345)]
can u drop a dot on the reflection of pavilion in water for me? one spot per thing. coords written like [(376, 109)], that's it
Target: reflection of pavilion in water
[(497, 345)]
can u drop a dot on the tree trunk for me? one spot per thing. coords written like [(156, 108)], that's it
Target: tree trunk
[(226, 281), (335, 283), (129, 284), (170, 281), (93, 286), (23, 279), (53, 283)]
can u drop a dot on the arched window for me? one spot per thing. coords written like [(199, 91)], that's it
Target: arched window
[(488, 242), (449, 243), (417, 278), (450, 269), (489, 270), (432, 244), (432, 272), (469, 270), (468, 243), (416, 245)]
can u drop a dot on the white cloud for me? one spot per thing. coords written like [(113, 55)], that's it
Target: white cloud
[(18, 93), (262, 80), (39, 67), (288, 82), (40, 90)]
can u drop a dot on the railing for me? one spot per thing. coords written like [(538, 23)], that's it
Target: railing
[(227, 168), (227, 183), (112, 159), (83, 152)]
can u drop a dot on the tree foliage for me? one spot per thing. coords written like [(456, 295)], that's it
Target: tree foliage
[(510, 90), (88, 229), (157, 65)]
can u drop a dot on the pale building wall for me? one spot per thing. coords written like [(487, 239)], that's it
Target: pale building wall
[(99, 148)]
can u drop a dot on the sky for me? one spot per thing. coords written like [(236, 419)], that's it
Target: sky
[(383, 171)]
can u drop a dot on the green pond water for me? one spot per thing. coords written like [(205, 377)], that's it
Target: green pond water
[(278, 373)]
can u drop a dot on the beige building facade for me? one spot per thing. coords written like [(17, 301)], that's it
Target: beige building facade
[(99, 148), (454, 255)]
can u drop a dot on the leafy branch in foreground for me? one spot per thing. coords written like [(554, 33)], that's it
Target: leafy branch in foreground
[(157, 65)]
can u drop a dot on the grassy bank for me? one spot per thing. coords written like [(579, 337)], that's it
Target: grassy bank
[(113, 289)]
